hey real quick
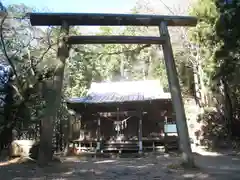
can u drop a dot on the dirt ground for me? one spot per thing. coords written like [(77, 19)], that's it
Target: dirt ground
[(151, 166)]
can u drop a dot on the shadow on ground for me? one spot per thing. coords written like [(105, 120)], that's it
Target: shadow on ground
[(220, 166), (148, 167)]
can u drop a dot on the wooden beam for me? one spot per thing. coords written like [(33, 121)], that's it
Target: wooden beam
[(112, 107), (94, 19), (98, 134), (175, 90), (140, 134), (114, 40), (121, 113)]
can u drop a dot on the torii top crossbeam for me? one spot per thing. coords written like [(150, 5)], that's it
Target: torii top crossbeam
[(94, 19)]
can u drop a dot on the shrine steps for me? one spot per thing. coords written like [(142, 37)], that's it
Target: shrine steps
[(120, 147)]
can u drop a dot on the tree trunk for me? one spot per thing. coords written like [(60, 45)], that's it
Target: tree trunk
[(197, 85), (69, 134), (61, 135), (228, 109), (204, 95), (52, 95), (122, 66), (200, 89), (147, 66)]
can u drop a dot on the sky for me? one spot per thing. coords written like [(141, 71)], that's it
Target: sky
[(82, 6), (91, 6)]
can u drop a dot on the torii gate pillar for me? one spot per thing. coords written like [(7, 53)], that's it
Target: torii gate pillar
[(175, 90)]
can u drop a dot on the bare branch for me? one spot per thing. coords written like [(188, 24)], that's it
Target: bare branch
[(49, 44), (168, 8), (193, 49), (19, 50), (4, 47)]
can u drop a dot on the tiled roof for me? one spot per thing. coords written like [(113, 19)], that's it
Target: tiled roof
[(125, 91)]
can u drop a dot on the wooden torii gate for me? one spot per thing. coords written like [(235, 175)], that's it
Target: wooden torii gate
[(85, 19)]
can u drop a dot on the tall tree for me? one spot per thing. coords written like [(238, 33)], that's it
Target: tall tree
[(17, 38), (217, 35), (227, 58)]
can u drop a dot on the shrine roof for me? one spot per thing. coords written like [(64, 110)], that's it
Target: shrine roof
[(123, 91)]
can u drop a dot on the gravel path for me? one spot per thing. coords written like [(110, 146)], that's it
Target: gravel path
[(156, 167)]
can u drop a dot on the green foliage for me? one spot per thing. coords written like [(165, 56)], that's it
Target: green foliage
[(112, 62), (227, 30), (213, 128), (204, 34), (217, 35)]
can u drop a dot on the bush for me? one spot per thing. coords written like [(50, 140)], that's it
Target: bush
[(213, 131)]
